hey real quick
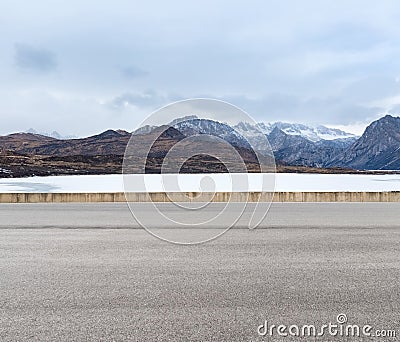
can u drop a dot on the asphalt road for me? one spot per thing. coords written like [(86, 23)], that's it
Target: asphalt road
[(91, 284), (118, 215)]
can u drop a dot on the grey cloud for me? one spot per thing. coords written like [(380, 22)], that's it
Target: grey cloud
[(348, 37), (371, 88), (339, 112), (284, 64), (149, 98), (395, 110), (271, 107), (34, 58), (267, 108), (132, 72), (281, 107)]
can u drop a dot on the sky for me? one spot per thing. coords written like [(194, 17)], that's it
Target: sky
[(81, 67)]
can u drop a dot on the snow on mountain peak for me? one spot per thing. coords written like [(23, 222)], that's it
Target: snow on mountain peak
[(53, 134), (311, 133)]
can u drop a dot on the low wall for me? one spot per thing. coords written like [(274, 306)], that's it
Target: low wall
[(205, 197)]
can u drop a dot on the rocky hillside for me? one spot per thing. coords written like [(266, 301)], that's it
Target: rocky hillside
[(297, 150), (193, 126), (108, 142), (377, 149)]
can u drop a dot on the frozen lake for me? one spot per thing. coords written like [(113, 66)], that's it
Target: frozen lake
[(222, 182)]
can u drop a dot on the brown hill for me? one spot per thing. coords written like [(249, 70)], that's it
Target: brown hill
[(108, 142)]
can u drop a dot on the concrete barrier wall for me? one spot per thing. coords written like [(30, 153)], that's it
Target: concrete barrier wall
[(205, 197)]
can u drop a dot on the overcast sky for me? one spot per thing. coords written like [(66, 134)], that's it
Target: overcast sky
[(80, 67)]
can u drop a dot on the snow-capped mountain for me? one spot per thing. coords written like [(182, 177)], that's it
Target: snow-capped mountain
[(144, 130), (295, 144), (311, 133), (297, 150), (53, 134), (194, 126)]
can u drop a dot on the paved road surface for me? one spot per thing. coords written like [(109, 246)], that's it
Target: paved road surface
[(90, 284), (118, 215)]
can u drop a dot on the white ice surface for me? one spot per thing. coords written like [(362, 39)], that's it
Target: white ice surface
[(223, 182)]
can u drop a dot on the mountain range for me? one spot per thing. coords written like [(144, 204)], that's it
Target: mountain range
[(299, 145), (53, 134), (295, 147)]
